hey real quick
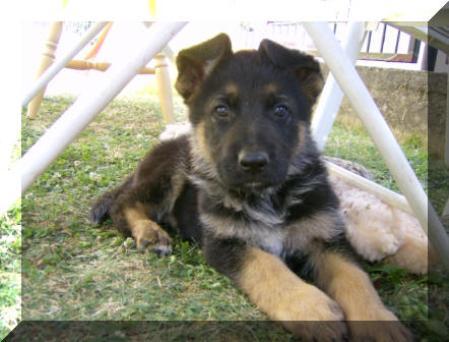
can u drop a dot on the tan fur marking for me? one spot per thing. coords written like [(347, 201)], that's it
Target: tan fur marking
[(135, 213), (201, 143), (271, 88), (302, 134), (302, 308), (280, 293), (368, 319), (231, 89), (144, 230), (351, 288), (303, 141), (312, 85), (177, 184)]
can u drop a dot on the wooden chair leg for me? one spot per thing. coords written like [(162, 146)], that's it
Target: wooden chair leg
[(164, 88), (48, 56), (92, 53)]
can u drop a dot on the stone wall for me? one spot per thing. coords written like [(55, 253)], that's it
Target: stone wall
[(438, 85), (403, 98)]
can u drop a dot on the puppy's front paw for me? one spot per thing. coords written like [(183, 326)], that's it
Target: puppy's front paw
[(379, 325), (318, 331), (312, 315), (148, 234), (379, 332)]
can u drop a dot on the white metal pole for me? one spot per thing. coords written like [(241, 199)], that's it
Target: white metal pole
[(59, 64), (446, 145), (91, 102), (446, 209), (330, 99), (386, 195), (360, 98)]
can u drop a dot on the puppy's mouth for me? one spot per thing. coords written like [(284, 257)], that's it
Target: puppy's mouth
[(234, 179), (255, 185), (250, 187)]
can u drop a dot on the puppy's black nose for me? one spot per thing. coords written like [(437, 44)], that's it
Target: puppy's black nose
[(253, 161)]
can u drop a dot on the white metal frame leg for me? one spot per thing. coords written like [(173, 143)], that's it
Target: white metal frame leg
[(51, 72), (360, 98), (326, 112), (446, 209), (330, 99), (91, 102), (446, 145)]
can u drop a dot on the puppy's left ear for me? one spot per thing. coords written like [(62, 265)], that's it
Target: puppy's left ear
[(305, 67), (196, 63)]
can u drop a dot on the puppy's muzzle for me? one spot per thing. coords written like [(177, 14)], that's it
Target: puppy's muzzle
[(253, 162)]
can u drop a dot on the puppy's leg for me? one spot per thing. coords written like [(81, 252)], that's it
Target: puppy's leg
[(302, 308), (351, 287), (132, 217), (148, 196), (100, 210)]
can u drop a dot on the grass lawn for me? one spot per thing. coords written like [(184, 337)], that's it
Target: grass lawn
[(73, 270), (9, 270)]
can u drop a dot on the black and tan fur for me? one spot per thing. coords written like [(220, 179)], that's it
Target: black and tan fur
[(249, 186)]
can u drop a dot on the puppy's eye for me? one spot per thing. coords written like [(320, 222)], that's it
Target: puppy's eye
[(221, 111), (281, 111)]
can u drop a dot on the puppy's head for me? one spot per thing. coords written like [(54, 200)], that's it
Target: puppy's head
[(250, 110)]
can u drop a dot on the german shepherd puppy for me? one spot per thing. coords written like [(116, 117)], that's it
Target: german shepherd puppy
[(249, 186)]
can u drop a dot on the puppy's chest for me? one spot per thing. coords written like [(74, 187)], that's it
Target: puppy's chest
[(261, 228), (265, 225)]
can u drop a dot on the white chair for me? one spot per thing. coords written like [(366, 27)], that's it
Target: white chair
[(78, 116)]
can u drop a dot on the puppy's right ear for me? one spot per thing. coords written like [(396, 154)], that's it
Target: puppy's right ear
[(195, 63)]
